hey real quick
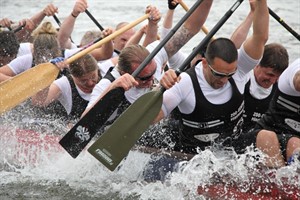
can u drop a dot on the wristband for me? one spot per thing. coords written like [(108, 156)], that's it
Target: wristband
[(74, 15)]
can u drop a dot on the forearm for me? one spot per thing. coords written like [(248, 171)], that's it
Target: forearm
[(135, 39), (4, 77), (65, 32), (199, 16), (168, 19), (257, 41), (104, 52), (241, 33), (191, 27), (38, 18), (151, 34), (40, 98)]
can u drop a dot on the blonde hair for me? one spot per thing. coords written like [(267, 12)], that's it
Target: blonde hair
[(45, 43)]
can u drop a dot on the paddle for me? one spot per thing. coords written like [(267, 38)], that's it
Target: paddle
[(88, 126), (287, 27), (186, 8), (94, 20), (57, 20), (22, 86), (115, 143), (19, 28)]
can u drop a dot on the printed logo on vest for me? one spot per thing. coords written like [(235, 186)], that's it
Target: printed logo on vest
[(295, 125), (207, 137)]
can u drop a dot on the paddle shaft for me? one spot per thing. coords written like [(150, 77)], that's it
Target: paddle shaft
[(186, 8), (18, 29), (281, 21), (57, 20), (94, 20)]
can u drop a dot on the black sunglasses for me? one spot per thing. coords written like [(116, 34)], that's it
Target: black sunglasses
[(220, 74), (146, 78)]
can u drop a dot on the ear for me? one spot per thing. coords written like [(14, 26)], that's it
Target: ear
[(204, 62)]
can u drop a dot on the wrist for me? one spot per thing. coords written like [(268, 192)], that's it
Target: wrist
[(73, 15)]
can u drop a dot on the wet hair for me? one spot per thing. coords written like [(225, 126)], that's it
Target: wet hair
[(83, 65), (222, 48), (9, 44), (89, 37), (275, 56), (132, 54), (45, 43)]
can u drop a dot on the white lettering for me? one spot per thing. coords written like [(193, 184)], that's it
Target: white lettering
[(104, 156)]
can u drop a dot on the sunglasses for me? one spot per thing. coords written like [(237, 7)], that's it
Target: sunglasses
[(145, 78), (220, 74)]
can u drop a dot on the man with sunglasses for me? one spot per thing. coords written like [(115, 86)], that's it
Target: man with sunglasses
[(210, 95)]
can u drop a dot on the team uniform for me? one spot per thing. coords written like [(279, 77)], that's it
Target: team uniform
[(193, 95), (257, 100), (283, 115)]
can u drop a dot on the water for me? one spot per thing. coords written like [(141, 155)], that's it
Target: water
[(35, 167)]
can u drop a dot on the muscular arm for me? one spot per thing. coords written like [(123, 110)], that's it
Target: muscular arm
[(254, 45), (67, 26), (241, 32), (188, 30), (65, 32)]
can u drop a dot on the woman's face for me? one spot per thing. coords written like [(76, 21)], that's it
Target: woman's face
[(88, 81)]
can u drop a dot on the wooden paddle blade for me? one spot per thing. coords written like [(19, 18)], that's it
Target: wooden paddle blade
[(89, 125), (115, 143), (16, 90)]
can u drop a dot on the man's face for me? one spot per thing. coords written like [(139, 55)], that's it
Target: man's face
[(146, 76), (265, 76), (218, 72), (121, 40)]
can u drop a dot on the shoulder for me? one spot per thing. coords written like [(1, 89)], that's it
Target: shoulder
[(21, 63), (25, 48)]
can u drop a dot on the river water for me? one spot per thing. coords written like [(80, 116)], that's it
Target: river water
[(33, 166)]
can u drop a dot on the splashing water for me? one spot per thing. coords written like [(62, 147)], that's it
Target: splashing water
[(33, 165)]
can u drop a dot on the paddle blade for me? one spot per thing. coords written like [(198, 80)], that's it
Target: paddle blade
[(115, 143), (19, 88), (90, 124)]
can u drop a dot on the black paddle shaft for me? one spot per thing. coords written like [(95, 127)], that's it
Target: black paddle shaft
[(94, 20), (287, 27), (90, 124)]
